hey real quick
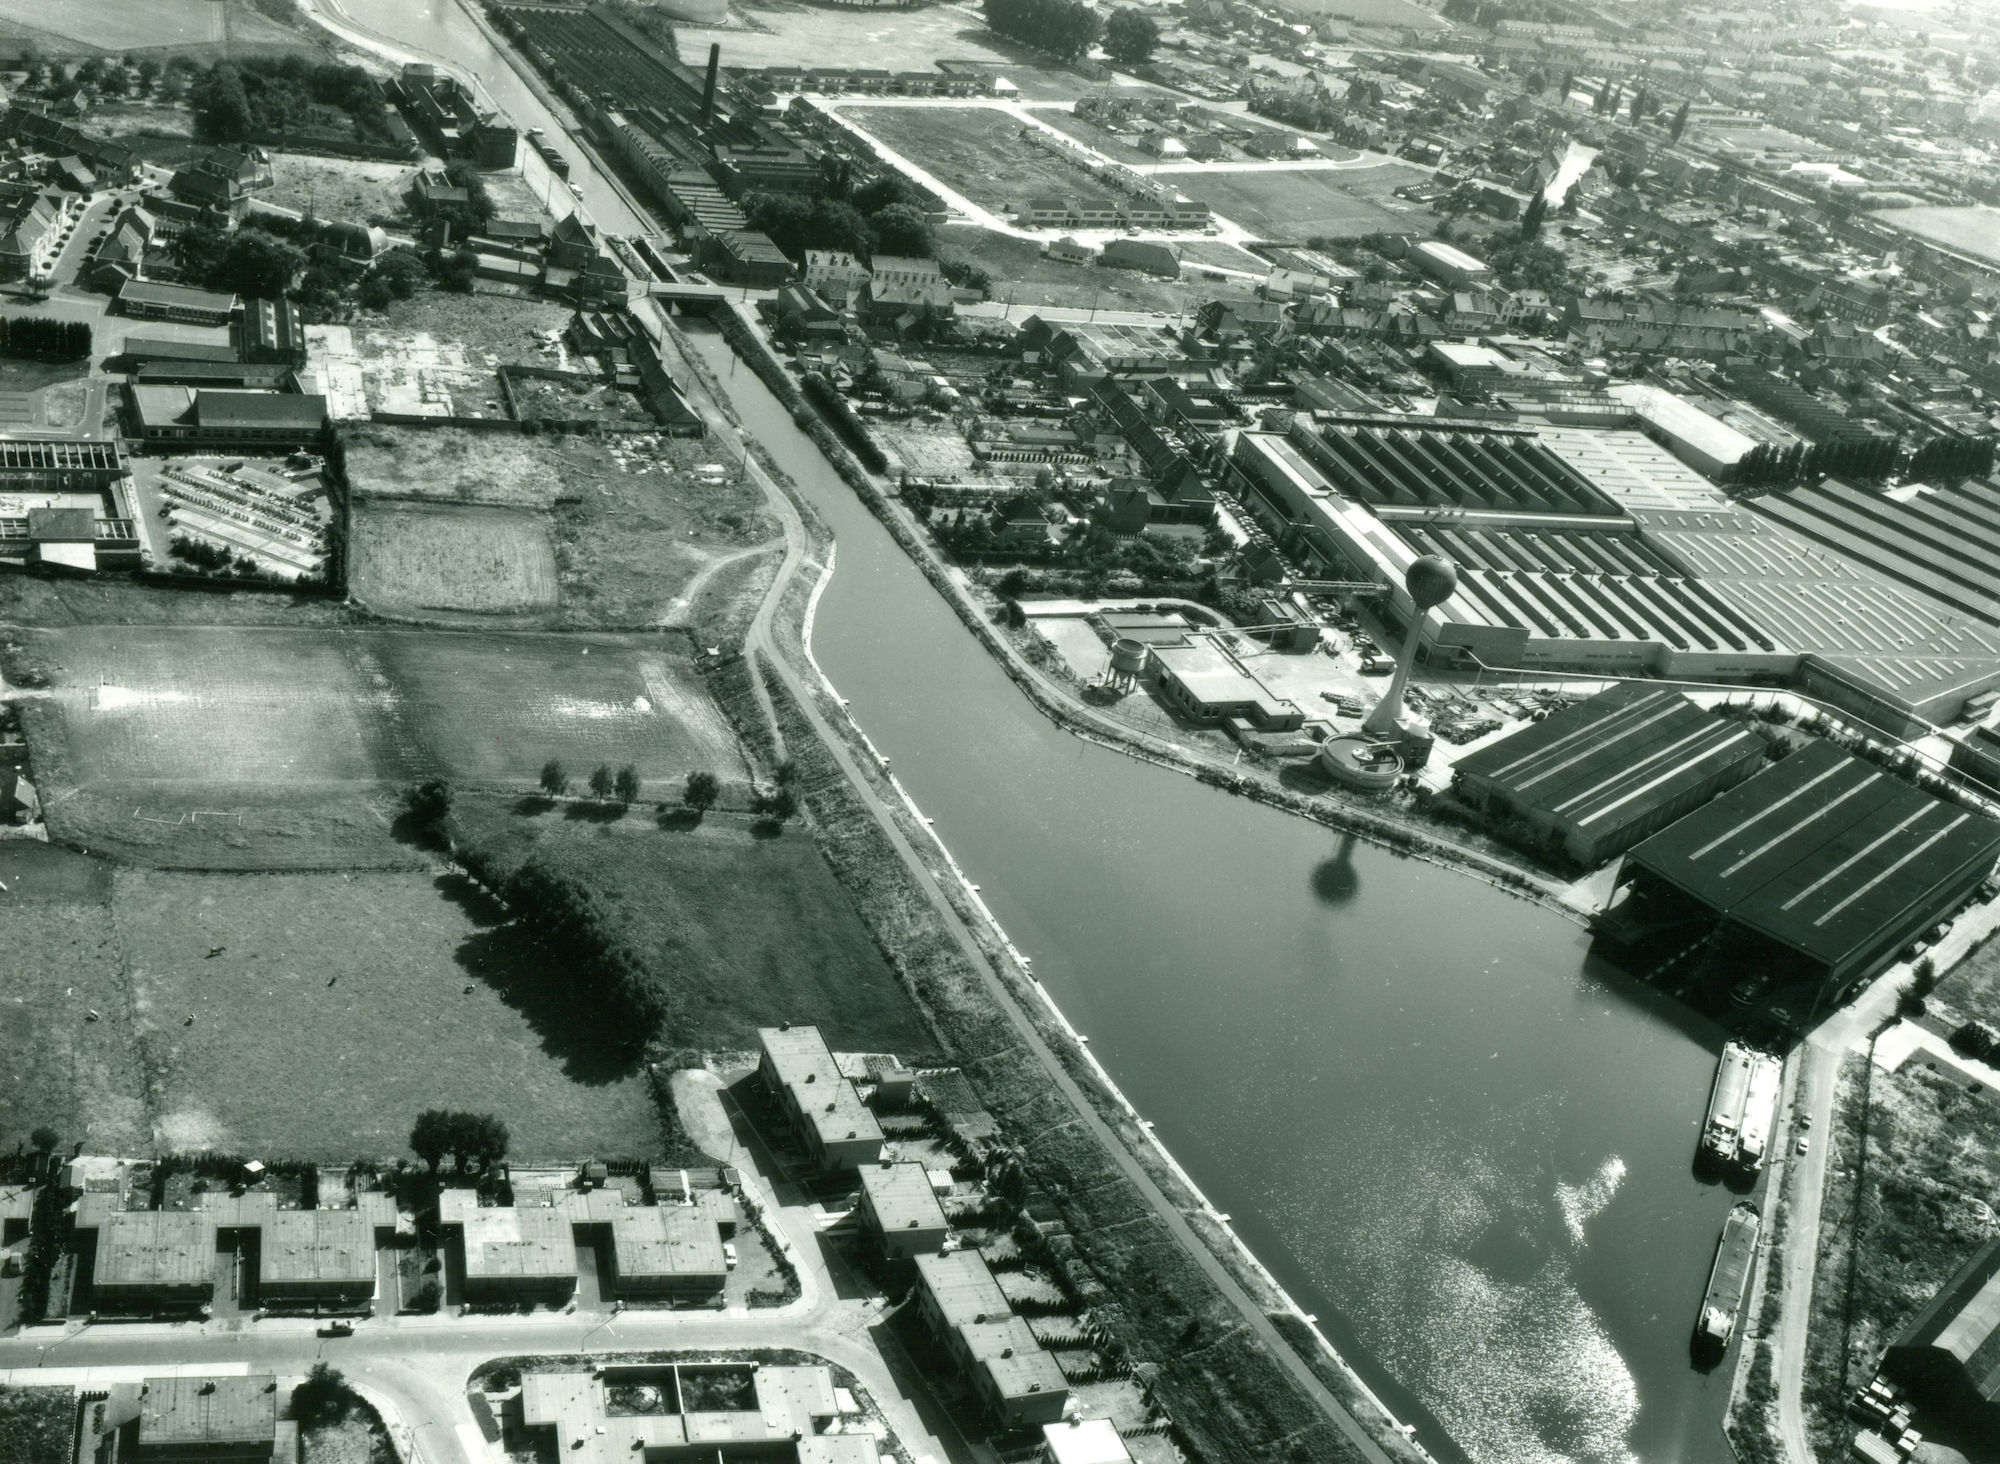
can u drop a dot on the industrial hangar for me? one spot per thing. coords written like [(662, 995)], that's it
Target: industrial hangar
[(1596, 778), (1822, 867), (1584, 545)]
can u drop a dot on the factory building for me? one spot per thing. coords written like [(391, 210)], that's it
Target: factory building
[(825, 1110), (1823, 866), (1018, 1381), (1949, 1354), (1594, 549), (1596, 778), (196, 419), (901, 1210), (151, 300)]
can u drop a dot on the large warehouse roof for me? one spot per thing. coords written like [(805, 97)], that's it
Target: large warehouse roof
[(1821, 852), (1610, 760), (1963, 1321)]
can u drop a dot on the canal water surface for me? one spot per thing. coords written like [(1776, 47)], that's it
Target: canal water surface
[(1454, 1137)]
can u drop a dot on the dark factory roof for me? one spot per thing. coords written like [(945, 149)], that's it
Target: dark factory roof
[(1612, 759), (1820, 852), (1963, 1319)]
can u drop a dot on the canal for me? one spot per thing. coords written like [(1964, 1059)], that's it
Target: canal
[(1454, 1136)]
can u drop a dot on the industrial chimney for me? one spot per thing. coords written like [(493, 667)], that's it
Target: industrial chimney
[(708, 90)]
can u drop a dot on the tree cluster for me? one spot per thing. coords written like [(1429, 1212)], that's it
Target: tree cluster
[(235, 101), (395, 275), (1532, 215), (45, 338), (1130, 36), (474, 1140), (1529, 264), (883, 216), (324, 1397), (247, 261), (1065, 29)]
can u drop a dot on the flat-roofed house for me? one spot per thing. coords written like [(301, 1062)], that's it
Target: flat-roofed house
[(825, 1110), (152, 1261), (1083, 1441), (900, 1207), (511, 1254), (1018, 1381), (229, 1419)]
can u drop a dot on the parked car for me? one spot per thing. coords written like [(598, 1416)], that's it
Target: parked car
[(1805, 1142), (337, 1329)]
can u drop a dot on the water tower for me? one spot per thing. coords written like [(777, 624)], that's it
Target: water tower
[(1128, 662), (1430, 581)]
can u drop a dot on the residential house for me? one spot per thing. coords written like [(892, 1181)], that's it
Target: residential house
[(826, 1112), (1017, 1380), (1067, 250), (28, 231), (834, 275), (900, 1209)]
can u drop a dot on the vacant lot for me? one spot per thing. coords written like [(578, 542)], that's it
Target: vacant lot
[(1975, 229), (1296, 204), (1021, 274), (348, 189), (1910, 1199), (1122, 148), (1398, 13), (120, 119), (329, 1010), (280, 713), (65, 1024), (741, 931), (408, 557), (979, 151), (636, 517)]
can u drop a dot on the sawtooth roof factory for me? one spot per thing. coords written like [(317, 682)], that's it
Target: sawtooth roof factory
[(1586, 545)]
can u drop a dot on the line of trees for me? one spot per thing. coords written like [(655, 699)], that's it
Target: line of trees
[(1956, 456), (1064, 28), (826, 396), (45, 338), (561, 909), (1860, 459), (474, 1140), (1130, 36)]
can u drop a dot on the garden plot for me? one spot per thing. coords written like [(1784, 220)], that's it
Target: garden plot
[(414, 557)]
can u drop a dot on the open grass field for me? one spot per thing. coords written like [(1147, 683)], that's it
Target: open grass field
[(1974, 229), (206, 27), (1021, 274), (336, 1009), (276, 714), (978, 151), (1112, 145), (742, 931), (1297, 204), (79, 1076), (418, 557)]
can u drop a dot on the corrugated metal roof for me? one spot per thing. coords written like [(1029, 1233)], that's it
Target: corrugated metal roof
[(1821, 852)]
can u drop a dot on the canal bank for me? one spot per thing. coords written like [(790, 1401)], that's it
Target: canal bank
[(1428, 1111), (1512, 1229)]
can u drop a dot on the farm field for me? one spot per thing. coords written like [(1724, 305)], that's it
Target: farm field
[(278, 716), (1298, 204), (79, 1076), (635, 517), (408, 557), (206, 27), (978, 151), (746, 931), (1974, 229), (351, 988)]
